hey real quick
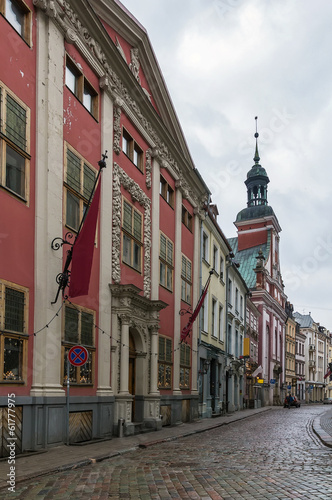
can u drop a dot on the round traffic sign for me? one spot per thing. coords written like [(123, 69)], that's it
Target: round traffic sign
[(78, 355)]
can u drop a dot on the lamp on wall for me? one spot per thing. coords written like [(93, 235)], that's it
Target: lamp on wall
[(206, 365)]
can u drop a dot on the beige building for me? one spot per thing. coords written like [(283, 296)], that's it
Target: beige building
[(290, 342)]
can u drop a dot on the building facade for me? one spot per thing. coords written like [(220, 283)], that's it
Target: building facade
[(212, 343), (79, 79), (256, 249), (316, 349), (290, 344), (300, 362)]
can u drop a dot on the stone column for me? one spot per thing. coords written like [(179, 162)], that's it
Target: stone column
[(177, 288), (47, 363), (124, 355), (155, 208), (154, 361)]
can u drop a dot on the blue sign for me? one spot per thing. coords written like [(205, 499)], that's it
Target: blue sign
[(289, 387), (272, 381), (78, 355)]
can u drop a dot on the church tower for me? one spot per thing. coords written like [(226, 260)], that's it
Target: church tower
[(254, 221)]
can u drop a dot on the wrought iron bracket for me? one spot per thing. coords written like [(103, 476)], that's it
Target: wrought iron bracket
[(59, 242), (183, 311)]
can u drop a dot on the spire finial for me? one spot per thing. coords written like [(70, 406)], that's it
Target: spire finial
[(256, 157)]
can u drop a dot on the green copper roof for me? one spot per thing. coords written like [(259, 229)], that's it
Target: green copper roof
[(255, 212), (247, 259), (257, 171)]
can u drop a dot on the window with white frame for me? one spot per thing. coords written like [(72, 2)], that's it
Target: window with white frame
[(205, 247), (221, 322), (19, 16), (236, 300), (15, 143), (215, 258), (214, 318), (78, 330), (186, 280), (79, 182), (13, 332), (221, 269), (229, 292), (205, 314), (132, 236)]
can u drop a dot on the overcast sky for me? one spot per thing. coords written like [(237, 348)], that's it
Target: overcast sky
[(226, 61)]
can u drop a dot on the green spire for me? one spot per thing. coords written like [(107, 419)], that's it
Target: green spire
[(256, 157)]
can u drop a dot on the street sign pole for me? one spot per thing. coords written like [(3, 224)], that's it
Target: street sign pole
[(68, 385)]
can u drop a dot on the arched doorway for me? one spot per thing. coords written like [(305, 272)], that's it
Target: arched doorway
[(132, 373)]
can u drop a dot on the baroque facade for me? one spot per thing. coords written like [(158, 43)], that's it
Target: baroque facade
[(90, 85)]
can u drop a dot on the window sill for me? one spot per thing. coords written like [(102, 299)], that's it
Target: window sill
[(205, 262), (15, 195), (165, 288), (172, 207)]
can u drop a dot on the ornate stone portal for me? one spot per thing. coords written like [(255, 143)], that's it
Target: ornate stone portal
[(135, 324)]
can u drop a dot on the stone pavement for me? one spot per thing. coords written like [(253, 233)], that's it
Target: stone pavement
[(64, 458)]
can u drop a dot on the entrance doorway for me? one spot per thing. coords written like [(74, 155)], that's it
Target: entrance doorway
[(132, 373)]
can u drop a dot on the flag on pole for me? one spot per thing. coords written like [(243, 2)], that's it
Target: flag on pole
[(187, 329), (82, 251), (328, 373)]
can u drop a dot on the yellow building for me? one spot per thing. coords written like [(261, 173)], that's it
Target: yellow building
[(211, 344)]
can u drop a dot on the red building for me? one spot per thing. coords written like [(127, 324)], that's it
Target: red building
[(79, 78)]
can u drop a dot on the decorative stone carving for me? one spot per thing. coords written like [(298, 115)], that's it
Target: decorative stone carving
[(148, 95), (120, 49), (70, 36), (137, 194), (148, 168), (134, 65), (128, 412), (116, 130)]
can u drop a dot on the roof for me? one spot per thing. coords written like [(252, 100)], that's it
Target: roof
[(304, 320), (247, 259), (255, 212), (257, 171)]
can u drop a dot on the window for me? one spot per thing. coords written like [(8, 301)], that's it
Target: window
[(132, 236), (230, 292), (15, 144), (229, 339), (166, 262), (132, 150), (214, 317), (81, 88), (185, 366), (165, 363), (205, 248), (78, 329), (215, 258), (19, 16), (186, 280), (166, 191), (236, 343), (241, 306), (221, 269), (13, 332), (79, 181), (205, 314), (221, 322), (236, 300), (186, 218)]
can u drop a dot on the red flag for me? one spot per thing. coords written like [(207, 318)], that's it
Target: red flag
[(83, 250), (327, 373), (187, 329)]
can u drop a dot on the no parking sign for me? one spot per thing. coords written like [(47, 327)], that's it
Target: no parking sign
[(78, 355)]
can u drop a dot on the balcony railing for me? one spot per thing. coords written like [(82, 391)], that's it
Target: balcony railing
[(312, 347)]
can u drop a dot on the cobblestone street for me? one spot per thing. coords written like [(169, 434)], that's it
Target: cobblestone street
[(273, 455)]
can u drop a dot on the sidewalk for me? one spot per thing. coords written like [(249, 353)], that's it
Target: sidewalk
[(322, 426), (69, 457)]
